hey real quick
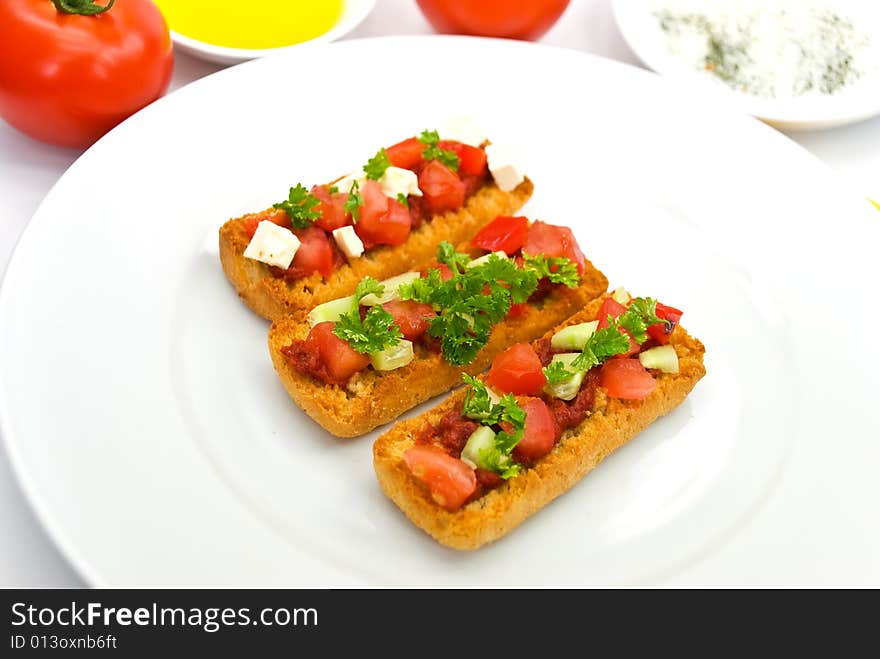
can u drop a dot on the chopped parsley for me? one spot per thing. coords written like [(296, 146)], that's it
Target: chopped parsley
[(432, 151), (557, 269), (478, 404), (376, 166), (471, 302), (353, 203), (403, 199), (300, 207), (334, 189), (555, 372), (642, 313), (603, 343), (376, 331)]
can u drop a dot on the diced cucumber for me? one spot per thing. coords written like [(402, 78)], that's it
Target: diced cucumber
[(481, 441), (485, 259), (574, 337), (330, 311), (391, 285), (568, 388), (621, 296), (662, 358), (400, 354)]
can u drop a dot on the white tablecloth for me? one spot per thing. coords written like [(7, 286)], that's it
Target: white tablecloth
[(28, 169)]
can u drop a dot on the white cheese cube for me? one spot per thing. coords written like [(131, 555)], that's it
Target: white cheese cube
[(463, 129), (396, 181), (272, 245), (347, 182), (505, 171), (348, 241)]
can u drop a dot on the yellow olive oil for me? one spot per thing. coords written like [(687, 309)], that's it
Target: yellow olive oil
[(253, 25)]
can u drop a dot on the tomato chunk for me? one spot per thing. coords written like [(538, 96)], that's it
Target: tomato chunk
[(613, 308), (339, 360), (552, 240), (504, 233), (660, 331), (278, 217), (443, 190), (315, 254), (382, 221), (627, 379), (406, 154), (412, 318), (540, 431), (472, 160), (331, 208), (517, 370), (449, 480)]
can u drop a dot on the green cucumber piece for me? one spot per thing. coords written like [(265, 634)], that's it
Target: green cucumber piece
[(568, 388), (400, 354), (485, 259), (481, 441), (661, 358), (574, 337), (391, 285), (330, 311)]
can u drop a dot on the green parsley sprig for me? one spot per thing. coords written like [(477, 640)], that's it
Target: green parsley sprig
[(602, 344), (478, 404), (555, 372), (300, 207), (376, 331), (432, 151), (557, 269), (354, 202), (376, 166), (641, 314)]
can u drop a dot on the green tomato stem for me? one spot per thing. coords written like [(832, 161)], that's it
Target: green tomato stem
[(81, 7)]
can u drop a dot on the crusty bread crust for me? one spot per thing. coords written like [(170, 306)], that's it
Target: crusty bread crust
[(371, 398), (273, 297), (612, 424)]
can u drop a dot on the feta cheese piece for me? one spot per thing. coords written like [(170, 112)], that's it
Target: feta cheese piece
[(348, 241), (273, 245), (463, 129), (396, 181), (505, 171), (347, 182)]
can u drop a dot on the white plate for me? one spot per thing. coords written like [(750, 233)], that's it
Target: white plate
[(149, 430), (353, 13), (862, 100)]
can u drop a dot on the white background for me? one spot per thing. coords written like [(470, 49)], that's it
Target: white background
[(28, 169)]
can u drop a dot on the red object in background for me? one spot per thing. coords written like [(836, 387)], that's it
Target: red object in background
[(68, 78), (512, 19)]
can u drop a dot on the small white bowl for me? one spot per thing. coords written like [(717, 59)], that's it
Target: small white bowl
[(353, 12)]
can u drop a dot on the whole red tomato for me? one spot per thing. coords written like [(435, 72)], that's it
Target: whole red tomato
[(513, 19), (70, 70)]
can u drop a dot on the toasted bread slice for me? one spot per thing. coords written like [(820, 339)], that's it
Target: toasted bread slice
[(273, 297), (612, 423), (371, 398)]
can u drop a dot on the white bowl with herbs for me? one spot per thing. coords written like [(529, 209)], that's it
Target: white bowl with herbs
[(796, 64)]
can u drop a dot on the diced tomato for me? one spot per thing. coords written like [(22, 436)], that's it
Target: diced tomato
[(471, 159), (613, 308), (627, 379), (518, 310), (445, 272), (504, 233), (382, 221), (406, 154), (517, 370), (449, 480), (552, 240), (412, 318), (315, 254), (660, 331), (331, 208), (340, 359), (443, 190), (278, 217), (540, 431)]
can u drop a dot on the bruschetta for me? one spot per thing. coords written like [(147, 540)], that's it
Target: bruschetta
[(320, 242), (358, 362), (545, 414)]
